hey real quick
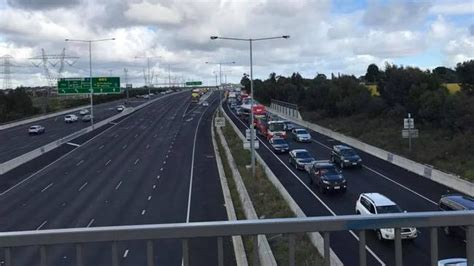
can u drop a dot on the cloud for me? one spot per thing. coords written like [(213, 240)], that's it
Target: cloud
[(153, 13), (453, 8), (392, 44), (395, 15), (459, 50), (42, 4)]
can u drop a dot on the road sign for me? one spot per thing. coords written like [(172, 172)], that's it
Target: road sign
[(100, 85), (407, 132), (193, 83), (247, 144), (219, 122), (247, 134), (408, 123)]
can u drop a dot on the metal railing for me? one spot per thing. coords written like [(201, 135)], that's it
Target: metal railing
[(286, 108), (220, 229)]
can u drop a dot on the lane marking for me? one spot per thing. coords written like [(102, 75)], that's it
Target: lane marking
[(136, 161), (161, 169), (125, 254), (44, 189), (312, 192), (136, 135), (73, 144), (149, 197), (90, 223), (154, 186), (124, 147), (101, 147), (158, 176), (83, 186), (147, 146), (79, 163), (155, 135), (143, 212), (113, 123), (107, 163), (41, 225), (164, 162), (118, 185)]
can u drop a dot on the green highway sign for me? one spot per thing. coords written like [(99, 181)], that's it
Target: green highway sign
[(82, 85), (193, 83)]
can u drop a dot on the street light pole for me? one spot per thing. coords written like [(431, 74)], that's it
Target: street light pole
[(252, 130), (91, 92)]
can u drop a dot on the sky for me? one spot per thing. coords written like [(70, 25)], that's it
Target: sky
[(338, 36)]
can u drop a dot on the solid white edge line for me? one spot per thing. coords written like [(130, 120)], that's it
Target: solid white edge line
[(192, 165), (73, 144), (312, 192)]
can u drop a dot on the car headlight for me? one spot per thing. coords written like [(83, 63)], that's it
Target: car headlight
[(359, 160), (346, 161), (389, 230), (326, 182)]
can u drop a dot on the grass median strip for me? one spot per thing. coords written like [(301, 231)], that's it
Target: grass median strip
[(267, 202)]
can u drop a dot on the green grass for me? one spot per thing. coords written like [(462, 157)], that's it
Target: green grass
[(447, 151), (268, 203)]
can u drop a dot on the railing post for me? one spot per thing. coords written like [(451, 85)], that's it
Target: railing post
[(185, 248), (149, 253), (398, 247), (434, 245), (255, 250), (470, 244), (79, 257), (291, 250), (115, 261), (327, 254), (220, 251), (8, 257), (362, 252), (43, 255)]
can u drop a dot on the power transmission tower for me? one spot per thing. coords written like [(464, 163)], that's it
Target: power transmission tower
[(125, 71), (7, 64)]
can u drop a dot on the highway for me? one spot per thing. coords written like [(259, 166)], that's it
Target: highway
[(410, 191), (155, 166), (15, 141)]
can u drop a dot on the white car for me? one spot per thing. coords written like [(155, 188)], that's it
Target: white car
[(376, 203), (205, 103), (36, 130), (84, 112), (70, 118), (301, 135), (146, 96), (120, 108)]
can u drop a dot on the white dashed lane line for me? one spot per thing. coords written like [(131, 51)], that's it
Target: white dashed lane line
[(91, 222), (48, 186), (125, 254), (118, 185), (124, 147), (41, 225), (83, 186), (107, 163), (136, 161), (101, 147), (143, 212), (80, 162), (149, 198)]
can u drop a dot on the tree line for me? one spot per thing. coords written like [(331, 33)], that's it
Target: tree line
[(16, 104), (401, 90)]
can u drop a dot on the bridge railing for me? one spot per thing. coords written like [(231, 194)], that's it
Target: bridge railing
[(290, 226)]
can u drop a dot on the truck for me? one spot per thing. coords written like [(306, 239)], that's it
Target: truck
[(270, 129), (195, 97)]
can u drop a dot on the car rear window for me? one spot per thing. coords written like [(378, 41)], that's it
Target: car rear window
[(301, 131), (389, 209), (303, 155)]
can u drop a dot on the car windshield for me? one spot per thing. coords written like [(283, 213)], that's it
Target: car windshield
[(348, 152), (389, 209), (329, 171), (301, 131), (303, 155), (279, 141), (276, 127)]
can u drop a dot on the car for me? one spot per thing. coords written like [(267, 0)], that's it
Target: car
[(453, 262), (120, 108), (301, 135), (279, 145), (205, 103), (138, 96), (70, 118), (289, 125), (83, 112), (87, 118), (456, 202), (376, 203), (151, 94), (345, 156), (36, 130), (300, 158), (238, 110), (326, 177), (146, 96)]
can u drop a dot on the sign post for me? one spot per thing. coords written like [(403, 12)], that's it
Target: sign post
[(409, 130)]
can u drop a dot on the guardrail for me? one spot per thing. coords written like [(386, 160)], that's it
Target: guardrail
[(289, 109), (17, 161), (426, 171), (220, 229)]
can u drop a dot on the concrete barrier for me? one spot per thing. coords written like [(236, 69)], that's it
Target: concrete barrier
[(264, 251), (449, 180), (239, 250), (315, 238), (24, 158)]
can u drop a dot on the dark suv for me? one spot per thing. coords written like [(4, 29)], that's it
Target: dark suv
[(345, 156), (456, 202), (327, 177)]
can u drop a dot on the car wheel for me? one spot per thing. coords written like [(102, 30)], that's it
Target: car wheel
[(357, 212), (379, 235), (447, 231)]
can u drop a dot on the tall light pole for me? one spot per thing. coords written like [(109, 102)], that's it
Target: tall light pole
[(91, 92), (252, 130), (220, 68), (149, 75)]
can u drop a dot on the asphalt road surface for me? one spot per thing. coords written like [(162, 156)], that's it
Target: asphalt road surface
[(15, 141), (412, 192), (155, 166)]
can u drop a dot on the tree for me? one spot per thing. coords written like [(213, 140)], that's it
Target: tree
[(445, 75), (372, 74), (245, 81), (465, 72)]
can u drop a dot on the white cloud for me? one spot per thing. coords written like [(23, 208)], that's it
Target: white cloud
[(453, 8), (459, 50), (146, 12)]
